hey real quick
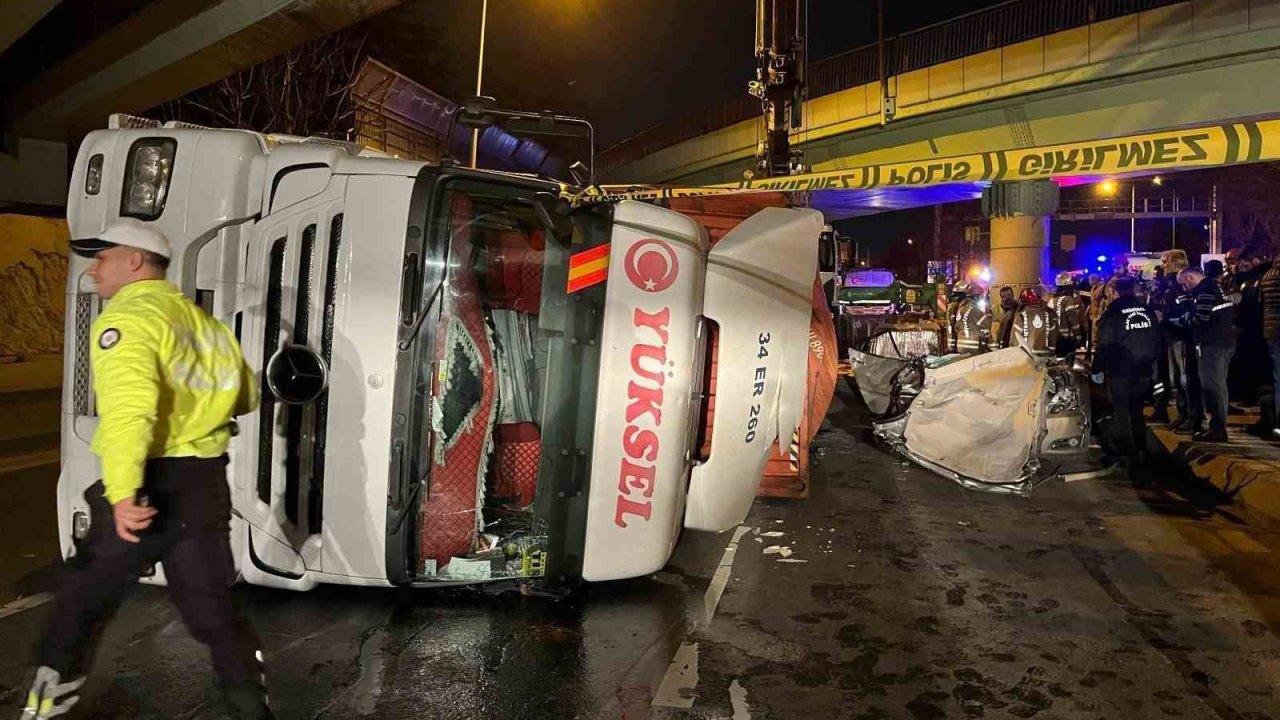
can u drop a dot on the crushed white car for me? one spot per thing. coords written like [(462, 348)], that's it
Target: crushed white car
[(999, 422)]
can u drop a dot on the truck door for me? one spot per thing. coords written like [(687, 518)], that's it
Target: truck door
[(759, 290), (291, 267)]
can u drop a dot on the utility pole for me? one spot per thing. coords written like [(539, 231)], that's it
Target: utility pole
[(1215, 223), (1133, 218)]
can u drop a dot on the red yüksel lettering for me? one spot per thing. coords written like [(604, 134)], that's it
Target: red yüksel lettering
[(640, 443)]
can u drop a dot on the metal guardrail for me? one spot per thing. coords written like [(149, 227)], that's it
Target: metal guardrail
[(976, 32), (1123, 206)]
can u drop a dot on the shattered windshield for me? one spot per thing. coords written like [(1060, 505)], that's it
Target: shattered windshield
[(504, 393)]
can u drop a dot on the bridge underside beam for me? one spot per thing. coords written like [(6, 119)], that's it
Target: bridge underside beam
[(167, 50), (20, 17)]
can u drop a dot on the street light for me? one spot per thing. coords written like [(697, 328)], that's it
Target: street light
[(475, 132)]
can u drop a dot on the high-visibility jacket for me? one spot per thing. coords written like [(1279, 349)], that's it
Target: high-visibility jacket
[(168, 380)]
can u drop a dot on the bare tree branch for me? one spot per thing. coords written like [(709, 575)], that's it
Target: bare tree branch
[(305, 91)]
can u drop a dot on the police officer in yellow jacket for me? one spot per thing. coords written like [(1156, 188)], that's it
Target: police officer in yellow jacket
[(167, 379)]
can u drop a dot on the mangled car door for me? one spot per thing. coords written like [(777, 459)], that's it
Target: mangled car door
[(759, 278), (874, 378)]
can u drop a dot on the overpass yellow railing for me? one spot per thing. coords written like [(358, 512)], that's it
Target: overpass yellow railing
[(1197, 147)]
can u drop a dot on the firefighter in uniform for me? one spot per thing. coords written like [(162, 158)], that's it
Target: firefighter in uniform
[(1032, 324), (973, 321), (1128, 341), (168, 379), (1068, 312)]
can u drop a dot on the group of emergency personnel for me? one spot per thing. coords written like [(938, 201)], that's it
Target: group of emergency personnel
[(1027, 320), (1179, 335)]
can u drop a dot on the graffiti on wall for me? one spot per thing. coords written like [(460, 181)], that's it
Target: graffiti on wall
[(33, 282)]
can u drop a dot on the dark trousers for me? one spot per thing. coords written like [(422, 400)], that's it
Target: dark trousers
[(1273, 349), (189, 535), (1128, 395), (1214, 362), (1184, 372), (1250, 368), (1164, 382)]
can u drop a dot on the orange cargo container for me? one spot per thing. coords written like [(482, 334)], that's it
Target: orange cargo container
[(787, 471)]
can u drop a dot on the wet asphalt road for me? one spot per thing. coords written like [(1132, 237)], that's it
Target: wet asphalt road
[(1111, 598)]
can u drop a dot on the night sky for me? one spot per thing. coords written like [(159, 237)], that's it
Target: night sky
[(623, 64)]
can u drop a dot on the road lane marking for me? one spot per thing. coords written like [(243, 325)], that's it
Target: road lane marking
[(738, 701), (711, 600), (680, 682), (25, 603)]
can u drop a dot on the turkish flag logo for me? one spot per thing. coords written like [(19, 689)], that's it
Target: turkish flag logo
[(651, 265)]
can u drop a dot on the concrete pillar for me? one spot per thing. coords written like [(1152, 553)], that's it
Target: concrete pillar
[(1019, 249), (1020, 213)]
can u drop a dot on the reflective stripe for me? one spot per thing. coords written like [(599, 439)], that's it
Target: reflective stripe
[(1222, 306)]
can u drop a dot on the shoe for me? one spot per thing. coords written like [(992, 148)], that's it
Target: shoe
[(1211, 436), (1186, 427), (1259, 429), (50, 697)]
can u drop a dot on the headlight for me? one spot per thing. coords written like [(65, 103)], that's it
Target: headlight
[(93, 175), (146, 177)]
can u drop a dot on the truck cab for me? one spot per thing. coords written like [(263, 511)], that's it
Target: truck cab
[(463, 379)]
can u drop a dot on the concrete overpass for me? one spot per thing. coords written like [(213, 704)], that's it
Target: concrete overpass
[(1023, 74), (158, 50)]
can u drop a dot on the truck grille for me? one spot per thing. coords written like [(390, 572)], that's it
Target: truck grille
[(270, 344), (81, 385), (315, 511), (296, 416)]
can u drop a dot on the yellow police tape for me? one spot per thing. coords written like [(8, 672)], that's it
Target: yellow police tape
[(1207, 146)]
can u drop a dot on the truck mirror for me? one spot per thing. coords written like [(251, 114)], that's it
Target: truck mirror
[(297, 375), (554, 215), (477, 112)]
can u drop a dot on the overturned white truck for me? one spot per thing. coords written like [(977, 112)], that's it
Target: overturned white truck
[(462, 380)]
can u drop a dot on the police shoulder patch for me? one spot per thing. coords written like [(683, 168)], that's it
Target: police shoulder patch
[(109, 338)]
